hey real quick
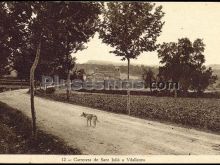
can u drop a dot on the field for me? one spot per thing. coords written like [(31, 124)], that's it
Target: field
[(202, 113)]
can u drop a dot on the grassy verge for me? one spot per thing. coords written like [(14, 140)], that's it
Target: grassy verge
[(15, 136), (201, 113)]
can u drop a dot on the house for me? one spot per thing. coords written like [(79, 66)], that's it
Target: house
[(12, 73), (101, 75)]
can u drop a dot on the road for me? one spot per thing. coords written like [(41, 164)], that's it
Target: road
[(115, 134)]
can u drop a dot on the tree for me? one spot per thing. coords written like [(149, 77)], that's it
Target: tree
[(78, 74), (148, 77), (183, 62), (72, 27), (12, 23), (18, 16), (131, 28), (75, 28), (15, 34), (202, 78), (4, 39), (50, 31)]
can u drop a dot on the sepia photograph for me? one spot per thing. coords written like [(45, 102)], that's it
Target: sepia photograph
[(109, 82)]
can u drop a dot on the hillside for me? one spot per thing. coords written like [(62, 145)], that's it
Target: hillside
[(135, 70), (214, 66)]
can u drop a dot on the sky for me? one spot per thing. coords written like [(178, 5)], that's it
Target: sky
[(182, 19)]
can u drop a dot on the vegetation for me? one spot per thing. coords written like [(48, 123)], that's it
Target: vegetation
[(199, 113), (50, 90), (46, 32), (39, 38), (148, 77), (131, 28), (135, 70), (183, 62), (15, 131)]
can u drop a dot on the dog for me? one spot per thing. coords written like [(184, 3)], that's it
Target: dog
[(90, 118)]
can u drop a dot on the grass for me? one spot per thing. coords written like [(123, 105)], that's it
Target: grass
[(201, 113), (15, 136)]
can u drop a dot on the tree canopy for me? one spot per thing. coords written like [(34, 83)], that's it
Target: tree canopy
[(131, 28), (46, 33), (183, 62), (63, 27)]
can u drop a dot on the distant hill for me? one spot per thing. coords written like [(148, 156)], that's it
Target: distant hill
[(124, 63), (216, 71), (102, 62), (135, 70), (214, 66)]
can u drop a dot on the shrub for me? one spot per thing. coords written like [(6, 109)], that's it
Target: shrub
[(50, 90), (162, 93)]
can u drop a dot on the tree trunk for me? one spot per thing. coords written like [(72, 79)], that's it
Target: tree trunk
[(175, 90), (34, 133), (175, 93), (150, 83), (35, 85), (128, 91), (68, 87), (21, 83)]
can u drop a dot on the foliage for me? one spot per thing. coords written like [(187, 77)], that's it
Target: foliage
[(63, 28), (183, 62), (148, 77), (50, 90), (202, 78), (49, 32), (78, 74), (131, 28), (12, 25)]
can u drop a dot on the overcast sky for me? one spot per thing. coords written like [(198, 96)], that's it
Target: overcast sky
[(182, 19)]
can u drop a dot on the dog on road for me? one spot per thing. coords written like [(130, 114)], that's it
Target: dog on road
[(90, 118)]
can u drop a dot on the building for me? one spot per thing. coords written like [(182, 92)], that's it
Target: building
[(12, 74), (101, 75)]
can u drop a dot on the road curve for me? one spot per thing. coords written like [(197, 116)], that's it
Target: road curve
[(115, 134)]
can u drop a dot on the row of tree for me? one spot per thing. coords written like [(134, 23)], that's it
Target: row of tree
[(43, 35)]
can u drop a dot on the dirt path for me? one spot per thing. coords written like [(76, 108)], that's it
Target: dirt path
[(114, 134)]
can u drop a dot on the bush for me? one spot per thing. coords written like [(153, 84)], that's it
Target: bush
[(162, 93), (2, 89), (50, 90)]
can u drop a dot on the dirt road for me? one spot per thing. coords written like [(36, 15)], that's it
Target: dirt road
[(114, 134)]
